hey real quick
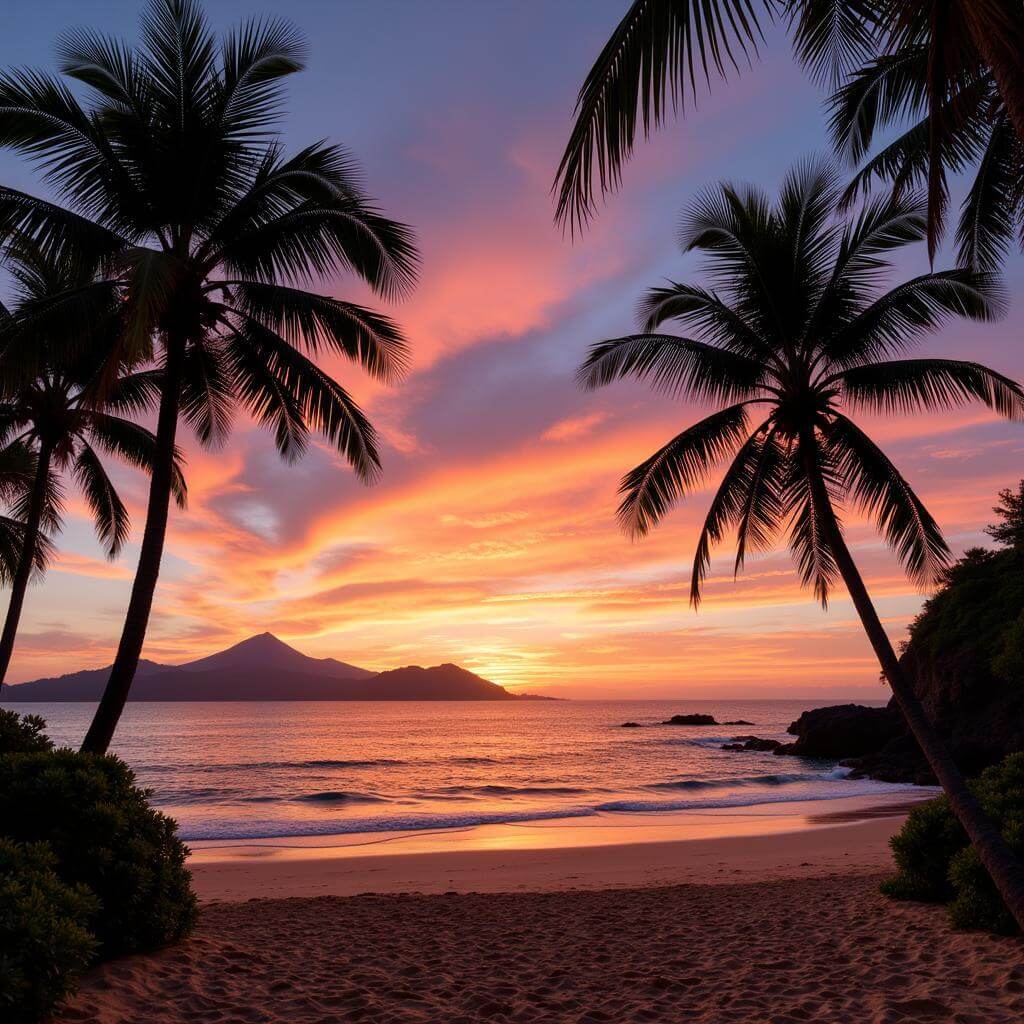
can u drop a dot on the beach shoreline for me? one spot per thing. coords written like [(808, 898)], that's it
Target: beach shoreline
[(786, 926), (767, 841)]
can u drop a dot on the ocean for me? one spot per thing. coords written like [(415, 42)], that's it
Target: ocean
[(277, 769)]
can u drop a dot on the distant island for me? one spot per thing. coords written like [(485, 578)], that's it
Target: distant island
[(265, 668)]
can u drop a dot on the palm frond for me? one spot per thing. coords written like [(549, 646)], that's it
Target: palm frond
[(900, 317), (106, 65), (179, 59), (807, 202), (109, 515), (763, 509), (370, 339), (675, 470), (12, 543), (153, 277), (654, 57), (206, 395), (285, 390), (134, 445), (914, 385), (749, 259), (18, 464), (987, 219), (41, 118), (310, 220), (727, 506), (808, 538), (833, 37), (880, 491), (703, 310), (673, 365), (135, 393), (883, 91), (254, 60), (63, 236)]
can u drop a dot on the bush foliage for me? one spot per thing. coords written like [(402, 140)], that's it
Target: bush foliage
[(105, 836), (936, 862), (22, 734), (45, 941)]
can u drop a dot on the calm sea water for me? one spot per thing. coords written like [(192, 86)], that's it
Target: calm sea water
[(288, 769)]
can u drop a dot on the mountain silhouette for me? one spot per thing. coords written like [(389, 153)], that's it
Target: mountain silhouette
[(265, 668), (264, 652)]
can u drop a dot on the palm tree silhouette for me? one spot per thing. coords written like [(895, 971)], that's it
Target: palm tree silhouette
[(176, 182), (51, 423), (799, 334), (662, 49)]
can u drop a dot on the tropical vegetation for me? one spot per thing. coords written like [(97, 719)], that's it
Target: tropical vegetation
[(60, 413), (935, 860), (171, 179), (17, 474), (88, 870), (796, 334), (950, 74), (45, 942), (105, 836)]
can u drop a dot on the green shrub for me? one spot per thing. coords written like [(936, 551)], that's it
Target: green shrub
[(22, 734), (937, 863), (978, 904), (923, 849), (45, 942), (105, 836)]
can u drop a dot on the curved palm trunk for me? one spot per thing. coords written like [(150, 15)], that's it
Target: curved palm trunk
[(26, 561), (1002, 865), (997, 30), (122, 672)]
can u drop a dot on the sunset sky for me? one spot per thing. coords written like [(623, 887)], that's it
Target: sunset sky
[(491, 540)]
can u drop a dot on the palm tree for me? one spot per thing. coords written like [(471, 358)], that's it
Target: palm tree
[(794, 334), (174, 179), (52, 425), (662, 48)]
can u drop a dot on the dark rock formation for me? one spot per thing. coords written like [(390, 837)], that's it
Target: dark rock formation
[(691, 720), (738, 721), (630, 725), (845, 730), (752, 743)]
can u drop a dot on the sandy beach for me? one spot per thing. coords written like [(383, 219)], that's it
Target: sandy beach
[(779, 923)]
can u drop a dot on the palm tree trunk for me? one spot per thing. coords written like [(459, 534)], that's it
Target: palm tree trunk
[(1003, 866), (26, 561), (122, 672), (997, 31)]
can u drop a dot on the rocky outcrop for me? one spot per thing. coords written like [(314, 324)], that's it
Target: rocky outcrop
[(691, 720), (630, 725), (844, 731), (753, 743)]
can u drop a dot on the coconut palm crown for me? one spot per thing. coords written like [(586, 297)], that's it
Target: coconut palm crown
[(796, 335), (171, 174)]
